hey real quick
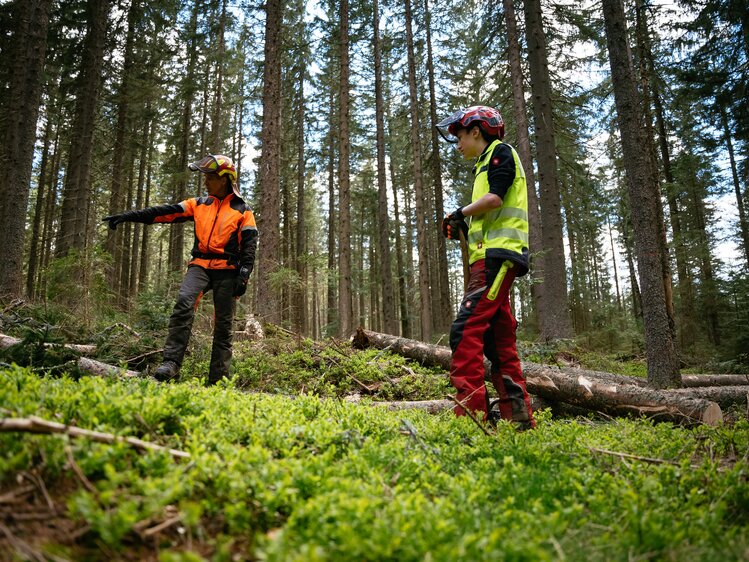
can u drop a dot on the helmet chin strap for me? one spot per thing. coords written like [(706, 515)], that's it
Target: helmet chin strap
[(439, 130)]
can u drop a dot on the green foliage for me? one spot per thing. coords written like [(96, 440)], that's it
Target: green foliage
[(77, 281), (307, 478), (325, 370)]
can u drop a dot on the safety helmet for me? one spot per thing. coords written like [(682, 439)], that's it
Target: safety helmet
[(219, 164), (488, 118)]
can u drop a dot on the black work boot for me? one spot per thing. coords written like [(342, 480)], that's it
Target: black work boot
[(167, 371)]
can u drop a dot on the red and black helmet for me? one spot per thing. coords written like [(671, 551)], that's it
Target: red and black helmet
[(488, 118)]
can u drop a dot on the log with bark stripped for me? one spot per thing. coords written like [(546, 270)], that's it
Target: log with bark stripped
[(591, 390)]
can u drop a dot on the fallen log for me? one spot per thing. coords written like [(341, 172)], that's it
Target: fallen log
[(85, 364), (724, 396), (83, 349), (603, 392), (693, 381)]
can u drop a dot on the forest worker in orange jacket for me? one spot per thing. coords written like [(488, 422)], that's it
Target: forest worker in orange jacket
[(222, 259), (497, 234)]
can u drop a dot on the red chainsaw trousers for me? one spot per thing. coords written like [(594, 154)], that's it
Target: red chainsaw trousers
[(486, 327)]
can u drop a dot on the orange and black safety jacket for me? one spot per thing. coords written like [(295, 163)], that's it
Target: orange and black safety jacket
[(225, 229)]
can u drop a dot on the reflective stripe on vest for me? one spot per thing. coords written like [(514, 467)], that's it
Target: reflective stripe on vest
[(507, 226)]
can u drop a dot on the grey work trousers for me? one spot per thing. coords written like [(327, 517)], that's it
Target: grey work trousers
[(196, 282)]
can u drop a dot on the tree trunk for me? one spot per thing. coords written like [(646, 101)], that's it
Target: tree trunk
[(587, 389), (300, 256), (445, 309), (76, 196), (39, 206), (332, 300), (553, 307), (177, 231), (144, 251), (115, 238), (383, 208), (524, 152), (268, 306), (19, 116), (421, 234), (663, 363), (215, 139), (743, 221), (345, 308)]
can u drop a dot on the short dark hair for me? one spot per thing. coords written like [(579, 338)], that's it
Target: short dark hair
[(486, 136)]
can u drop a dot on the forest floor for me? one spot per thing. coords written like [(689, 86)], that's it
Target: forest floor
[(282, 466)]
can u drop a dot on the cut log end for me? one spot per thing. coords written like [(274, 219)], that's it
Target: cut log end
[(712, 415)]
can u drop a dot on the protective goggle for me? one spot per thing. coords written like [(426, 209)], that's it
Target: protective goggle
[(443, 127), (206, 164)]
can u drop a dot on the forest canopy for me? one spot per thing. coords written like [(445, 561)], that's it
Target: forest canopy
[(103, 103)]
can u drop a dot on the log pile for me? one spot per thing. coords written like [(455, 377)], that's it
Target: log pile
[(611, 394)]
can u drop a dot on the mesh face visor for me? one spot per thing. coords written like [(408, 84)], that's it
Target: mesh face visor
[(444, 126)]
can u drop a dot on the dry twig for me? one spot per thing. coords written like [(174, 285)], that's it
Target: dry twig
[(33, 424), (470, 414)]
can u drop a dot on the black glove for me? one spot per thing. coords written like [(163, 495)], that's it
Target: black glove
[(114, 220), (240, 284), (453, 223)]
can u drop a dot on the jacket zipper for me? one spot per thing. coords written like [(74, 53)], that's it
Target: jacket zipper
[(215, 219)]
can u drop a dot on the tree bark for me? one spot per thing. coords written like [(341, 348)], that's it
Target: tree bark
[(421, 234), (39, 206), (19, 116), (743, 221), (268, 306), (586, 389), (642, 180), (554, 317), (524, 152), (117, 201), (383, 208), (76, 197), (345, 308), (300, 256), (444, 306), (177, 231)]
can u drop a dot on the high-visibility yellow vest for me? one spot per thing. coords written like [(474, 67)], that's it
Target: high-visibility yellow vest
[(503, 232)]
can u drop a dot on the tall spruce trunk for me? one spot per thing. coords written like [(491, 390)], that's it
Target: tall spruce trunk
[(215, 137), (553, 306), (444, 307), (177, 231), (115, 238), (269, 301), (19, 115), (743, 221), (524, 152), (300, 256), (642, 181), (345, 309), (39, 205), (421, 234), (76, 196), (383, 208), (332, 295)]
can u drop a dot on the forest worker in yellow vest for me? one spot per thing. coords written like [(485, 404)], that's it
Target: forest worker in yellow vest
[(497, 233)]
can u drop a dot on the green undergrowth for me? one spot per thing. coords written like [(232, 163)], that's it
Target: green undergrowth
[(307, 478), (330, 369)]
